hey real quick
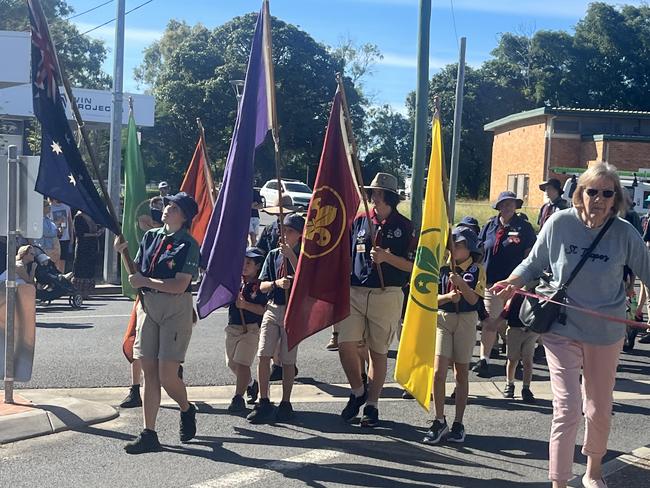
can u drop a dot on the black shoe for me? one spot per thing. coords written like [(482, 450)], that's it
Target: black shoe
[(645, 339), (457, 433), (503, 348), (436, 433), (406, 395), (527, 396), (237, 404), (630, 337), (453, 394), (351, 410), (188, 424), (370, 416), (482, 369), (276, 373), (252, 392), (509, 390), (133, 399), (494, 353), (147, 441), (262, 412), (284, 412), (180, 371)]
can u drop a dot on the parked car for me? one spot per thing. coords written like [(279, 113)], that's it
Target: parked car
[(298, 191)]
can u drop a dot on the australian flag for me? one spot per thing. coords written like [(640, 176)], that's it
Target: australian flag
[(62, 174)]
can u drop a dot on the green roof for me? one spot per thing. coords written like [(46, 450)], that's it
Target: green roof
[(591, 112)]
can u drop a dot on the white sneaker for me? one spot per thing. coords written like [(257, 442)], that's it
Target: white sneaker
[(591, 483)]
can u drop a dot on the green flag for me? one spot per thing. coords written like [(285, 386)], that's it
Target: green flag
[(136, 203)]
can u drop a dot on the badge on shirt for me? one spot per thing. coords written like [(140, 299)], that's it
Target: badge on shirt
[(398, 233)]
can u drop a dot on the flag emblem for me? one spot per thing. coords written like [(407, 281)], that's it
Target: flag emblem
[(325, 223)]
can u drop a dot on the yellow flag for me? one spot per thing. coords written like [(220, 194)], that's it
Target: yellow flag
[(417, 347)]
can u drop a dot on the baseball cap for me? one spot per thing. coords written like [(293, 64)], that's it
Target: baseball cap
[(295, 221), (163, 184)]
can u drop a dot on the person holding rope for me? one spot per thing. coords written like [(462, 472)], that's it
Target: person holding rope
[(585, 343), (167, 261), (375, 305)]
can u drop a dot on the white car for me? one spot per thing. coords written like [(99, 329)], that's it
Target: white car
[(299, 192)]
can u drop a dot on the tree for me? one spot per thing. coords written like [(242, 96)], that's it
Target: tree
[(189, 72)]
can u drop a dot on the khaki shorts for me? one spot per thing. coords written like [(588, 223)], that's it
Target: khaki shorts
[(374, 317), (520, 343), (456, 336), (164, 326), (273, 332), (241, 347), (494, 306)]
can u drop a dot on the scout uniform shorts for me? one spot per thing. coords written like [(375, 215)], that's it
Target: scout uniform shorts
[(374, 317), (164, 326), (272, 331), (456, 335), (520, 343), (241, 347)]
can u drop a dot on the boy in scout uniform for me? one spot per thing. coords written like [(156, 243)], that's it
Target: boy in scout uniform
[(167, 261), (375, 311)]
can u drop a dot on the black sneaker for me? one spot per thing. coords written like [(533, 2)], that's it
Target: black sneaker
[(370, 416), (509, 390), (284, 412), (262, 412), (527, 396), (436, 433), (482, 369), (276, 373), (237, 404), (494, 353), (133, 399), (453, 394), (147, 441), (645, 339), (457, 433), (630, 337), (188, 424), (406, 395), (351, 410), (252, 392), (503, 348)]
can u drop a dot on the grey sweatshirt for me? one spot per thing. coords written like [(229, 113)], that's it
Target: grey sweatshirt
[(599, 285)]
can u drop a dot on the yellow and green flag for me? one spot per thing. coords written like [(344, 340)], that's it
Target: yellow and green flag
[(415, 357), (136, 203)]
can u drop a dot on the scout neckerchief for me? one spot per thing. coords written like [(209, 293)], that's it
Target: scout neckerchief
[(157, 254)]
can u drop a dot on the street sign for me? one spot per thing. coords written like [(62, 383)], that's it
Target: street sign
[(29, 217)]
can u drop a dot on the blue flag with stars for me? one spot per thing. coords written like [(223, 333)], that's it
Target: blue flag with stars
[(62, 174)]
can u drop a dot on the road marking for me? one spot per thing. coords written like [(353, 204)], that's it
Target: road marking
[(253, 475)]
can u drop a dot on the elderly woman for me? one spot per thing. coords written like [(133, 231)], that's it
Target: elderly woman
[(584, 343)]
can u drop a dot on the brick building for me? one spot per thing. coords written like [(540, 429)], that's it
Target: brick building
[(532, 146)]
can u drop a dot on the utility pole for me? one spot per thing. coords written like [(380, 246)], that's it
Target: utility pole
[(115, 152), (421, 115), (458, 119), (12, 204)]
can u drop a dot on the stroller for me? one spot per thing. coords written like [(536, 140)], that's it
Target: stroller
[(51, 284)]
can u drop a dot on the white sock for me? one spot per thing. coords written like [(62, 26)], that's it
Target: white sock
[(252, 382), (374, 404), (357, 392)]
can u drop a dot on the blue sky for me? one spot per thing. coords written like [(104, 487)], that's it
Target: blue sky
[(391, 24)]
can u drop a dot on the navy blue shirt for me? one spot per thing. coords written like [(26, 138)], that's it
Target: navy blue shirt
[(251, 292), (396, 234), (472, 274), (272, 270), (270, 237), (505, 246)]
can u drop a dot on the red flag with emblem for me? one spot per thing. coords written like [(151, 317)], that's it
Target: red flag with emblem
[(199, 184), (321, 291)]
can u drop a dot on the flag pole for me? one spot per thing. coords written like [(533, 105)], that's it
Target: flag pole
[(128, 262), (206, 167), (357, 170)]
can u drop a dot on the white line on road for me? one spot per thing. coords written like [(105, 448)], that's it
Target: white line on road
[(253, 475)]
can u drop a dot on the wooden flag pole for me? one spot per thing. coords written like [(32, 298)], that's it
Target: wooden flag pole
[(126, 258), (206, 167), (357, 170)]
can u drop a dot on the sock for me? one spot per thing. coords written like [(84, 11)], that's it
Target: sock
[(252, 382), (526, 386), (510, 383), (135, 387), (374, 404), (357, 392)]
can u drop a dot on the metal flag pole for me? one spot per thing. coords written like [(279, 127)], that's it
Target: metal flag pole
[(357, 170), (12, 196), (458, 120)]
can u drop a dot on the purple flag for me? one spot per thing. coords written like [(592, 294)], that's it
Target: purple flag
[(222, 252)]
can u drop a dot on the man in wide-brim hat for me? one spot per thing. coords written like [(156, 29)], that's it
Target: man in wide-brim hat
[(375, 311), (553, 190)]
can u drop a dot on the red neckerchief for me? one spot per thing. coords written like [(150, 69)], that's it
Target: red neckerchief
[(501, 233), (157, 254), (378, 224)]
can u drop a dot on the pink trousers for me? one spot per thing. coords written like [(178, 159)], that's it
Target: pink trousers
[(566, 358)]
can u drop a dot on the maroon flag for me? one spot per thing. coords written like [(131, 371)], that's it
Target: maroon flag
[(321, 291)]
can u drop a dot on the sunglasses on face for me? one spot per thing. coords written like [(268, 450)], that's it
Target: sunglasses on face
[(592, 192)]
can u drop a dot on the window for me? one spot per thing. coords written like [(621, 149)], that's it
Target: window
[(297, 187), (518, 184), (272, 185)]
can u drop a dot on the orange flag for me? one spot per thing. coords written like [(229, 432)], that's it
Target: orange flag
[(198, 183)]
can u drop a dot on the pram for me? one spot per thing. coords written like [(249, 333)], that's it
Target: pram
[(51, 284)]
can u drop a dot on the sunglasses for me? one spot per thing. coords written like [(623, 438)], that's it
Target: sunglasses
[(592, 192)]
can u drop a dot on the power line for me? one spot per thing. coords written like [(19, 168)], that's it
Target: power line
[(108, 21), (453, 16), (89, 10)]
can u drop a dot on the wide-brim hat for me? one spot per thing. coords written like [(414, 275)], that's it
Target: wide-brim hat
[(294, 221), (507, 195), (185, 202), (386, 182), (287, 206), (553, 182), (466, 234)]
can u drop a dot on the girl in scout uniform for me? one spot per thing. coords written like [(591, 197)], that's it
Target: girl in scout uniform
[(459, 295), (167, 261)]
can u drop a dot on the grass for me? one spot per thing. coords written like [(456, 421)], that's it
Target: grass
[(481, 210)]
